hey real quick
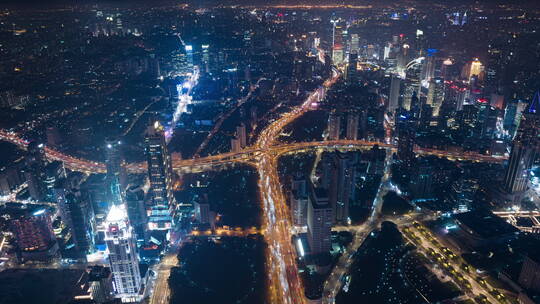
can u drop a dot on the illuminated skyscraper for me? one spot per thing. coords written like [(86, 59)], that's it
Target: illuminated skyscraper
[(34, 171), (355, 43), (116, 174), (161, 178), (352, 72), (319, 220), (352, 126), (435, 95), (334, 126), (525, 148), (241, 134), (77, 213), (476, 69), (393, 99), (406, 141), (344, 187), (122, 255)]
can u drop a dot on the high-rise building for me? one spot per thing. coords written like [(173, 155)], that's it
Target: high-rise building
[(475, 69), (525, 148), (78, 215), (160, 175), (421, 184), (512, 116), (352, 126), (34, 171), (123, 256), (202, 210), (334, 126), (54, 171), (393, 99), (412, 84), (241, 134), (352, 72), (344, 188), (435, 95), (235, 144), (406, 141), (299, 201), (135, 198), (319, 220), (95, 285), (355, 43), (34, 235), (116, 174), (529, 277)]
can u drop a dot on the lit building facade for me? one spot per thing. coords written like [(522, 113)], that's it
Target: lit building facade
[(160, 175), (525, 148), (122, 255)]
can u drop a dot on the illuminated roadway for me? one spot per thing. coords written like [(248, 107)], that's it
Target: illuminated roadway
[(247, 155), (285, 284)]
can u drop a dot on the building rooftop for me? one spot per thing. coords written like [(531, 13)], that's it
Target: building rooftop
[(485, 224)]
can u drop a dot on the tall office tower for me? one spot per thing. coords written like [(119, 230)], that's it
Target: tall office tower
[(488, 117), (344, 188), (355, 43), (352, 73), (512, 116), (235, 144), (319, 220), (299, 185), (403, 58), (412, 84), (435, 95), (202, 210), (299, 205), (463, 192), (525, 148), (78, 215), (529, 277), (420, 43), (54, 171), (475, 69), (406, 140), (446, 69), (34, 235), (338, 54), (116, 174), (160, 175), (189, 55), (34, 171), (97, 285), (428, 68), (338, 42), (205, 58), (421, 183), (241, 134), (352, 125), (136, 210), (334, 126), (299, 200), (123, 256), (393, 99)]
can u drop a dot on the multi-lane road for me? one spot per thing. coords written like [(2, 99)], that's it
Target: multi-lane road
[(285, 284)]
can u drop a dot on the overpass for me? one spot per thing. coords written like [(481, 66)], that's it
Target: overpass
[(249, 155)]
